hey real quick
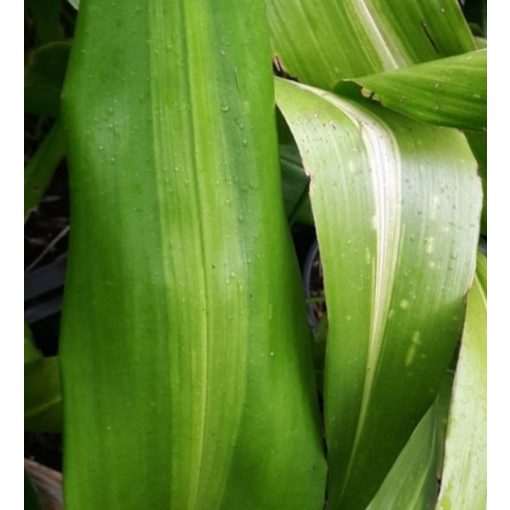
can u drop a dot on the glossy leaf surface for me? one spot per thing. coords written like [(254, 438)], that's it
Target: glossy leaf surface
[(396, 205), (187, 375)]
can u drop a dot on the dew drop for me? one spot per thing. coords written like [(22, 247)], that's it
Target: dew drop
[(404, 304)]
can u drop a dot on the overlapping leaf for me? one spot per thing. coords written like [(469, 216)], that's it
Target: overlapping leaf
[(187, 375), (323, 41), (449, 92), (396, 205), (464, 479)]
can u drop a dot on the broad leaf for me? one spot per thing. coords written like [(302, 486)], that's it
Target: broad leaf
[(449, 92), (464, 480), (43, 408), (187, 374), (396, 205), (323, 41)]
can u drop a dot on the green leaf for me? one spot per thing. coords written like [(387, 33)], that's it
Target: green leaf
[(396, 205), (32, 353), (42, 396), (321, 42), (42, 166), (187, 374), (464, 480), (44, 76), (449, 92), (412, 481)]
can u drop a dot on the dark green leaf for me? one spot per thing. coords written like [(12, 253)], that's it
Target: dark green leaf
[(46, 15), (412, 481), (44, 76)]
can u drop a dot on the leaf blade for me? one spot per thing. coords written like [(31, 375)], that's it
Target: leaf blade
[(448, 92), (366, 166), (184, 336), (321, 42)]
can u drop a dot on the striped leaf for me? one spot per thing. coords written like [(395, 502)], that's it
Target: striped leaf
[(396, 205), (323, 41), (187, 376)]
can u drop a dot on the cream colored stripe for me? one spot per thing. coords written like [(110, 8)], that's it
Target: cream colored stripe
[(386, 171)]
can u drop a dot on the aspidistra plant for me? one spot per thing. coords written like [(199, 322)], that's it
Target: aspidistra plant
[(187, 368)]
